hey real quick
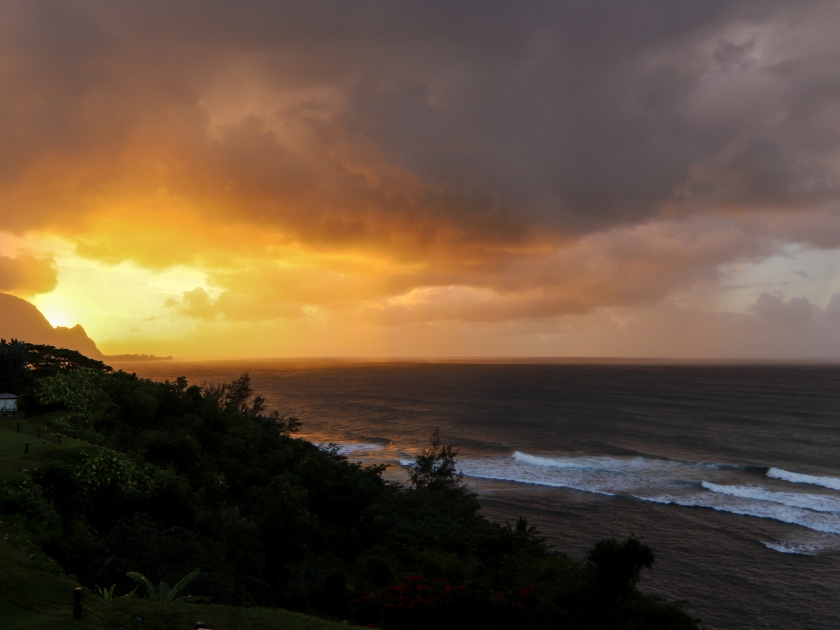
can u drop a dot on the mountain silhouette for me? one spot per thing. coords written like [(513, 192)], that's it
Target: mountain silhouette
[(21, 320)]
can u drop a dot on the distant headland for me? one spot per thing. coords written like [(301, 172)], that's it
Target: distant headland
[(20, 319)]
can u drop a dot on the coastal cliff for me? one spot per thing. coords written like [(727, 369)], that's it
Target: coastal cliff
[(21, 320)]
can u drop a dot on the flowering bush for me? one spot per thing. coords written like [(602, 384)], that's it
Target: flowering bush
[(419, 602)]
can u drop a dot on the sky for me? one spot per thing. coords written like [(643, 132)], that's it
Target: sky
[(429, 178)]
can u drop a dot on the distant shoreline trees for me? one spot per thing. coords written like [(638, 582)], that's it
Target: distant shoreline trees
[(136, 357)]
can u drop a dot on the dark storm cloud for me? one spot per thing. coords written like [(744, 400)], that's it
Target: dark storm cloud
[(580, 113), (774, 308)]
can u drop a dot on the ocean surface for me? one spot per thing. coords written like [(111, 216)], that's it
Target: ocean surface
[(731, 473)]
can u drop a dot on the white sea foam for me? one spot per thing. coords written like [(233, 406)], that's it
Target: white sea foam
[(792, 547), (815, 502), (352, 448), (624, 465), (814, 480), (509, 470), (577, 463), (613, 464), (687, 484), (817, 521), (599, 475)]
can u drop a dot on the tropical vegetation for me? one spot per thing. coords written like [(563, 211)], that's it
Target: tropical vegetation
[(174, 479)]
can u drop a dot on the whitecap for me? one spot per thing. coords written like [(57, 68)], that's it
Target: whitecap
[(792, 548), (814, 480), (816, 521), (352, 448), (815, 502)]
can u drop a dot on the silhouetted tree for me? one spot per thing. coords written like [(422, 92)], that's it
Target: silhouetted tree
[(13, 365), (435, 467), (618, 566), (239, 395)]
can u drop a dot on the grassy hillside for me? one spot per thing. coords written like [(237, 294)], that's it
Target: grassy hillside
[(36, 595), (12, 442), (16, 618)]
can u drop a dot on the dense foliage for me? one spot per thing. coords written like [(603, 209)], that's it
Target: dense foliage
[(179, 477), (23, 363)]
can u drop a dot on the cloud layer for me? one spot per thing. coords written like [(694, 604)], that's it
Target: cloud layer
[(26, 274), (396, 162)]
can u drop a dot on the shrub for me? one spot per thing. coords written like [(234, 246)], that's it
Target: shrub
[(418, 602), (435, 468)]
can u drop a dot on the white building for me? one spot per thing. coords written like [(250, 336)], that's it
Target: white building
[(8, 403)]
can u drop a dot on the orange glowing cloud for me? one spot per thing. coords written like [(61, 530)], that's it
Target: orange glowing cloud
[(26, 274)]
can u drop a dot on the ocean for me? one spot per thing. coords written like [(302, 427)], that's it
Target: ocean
[(731, 473)]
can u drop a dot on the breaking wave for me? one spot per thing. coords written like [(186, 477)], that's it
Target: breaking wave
[(815, 502), (353, 448), (792, 477), (722, 487), (791, 547), (816, 521)]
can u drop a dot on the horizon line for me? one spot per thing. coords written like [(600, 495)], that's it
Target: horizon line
[(500, 359)]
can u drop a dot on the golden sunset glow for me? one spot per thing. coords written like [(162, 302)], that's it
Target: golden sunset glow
[(285, 180)]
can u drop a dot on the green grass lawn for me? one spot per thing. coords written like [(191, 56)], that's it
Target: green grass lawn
[(165, 616), (12, 442), (33, 577), (14, 618)]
